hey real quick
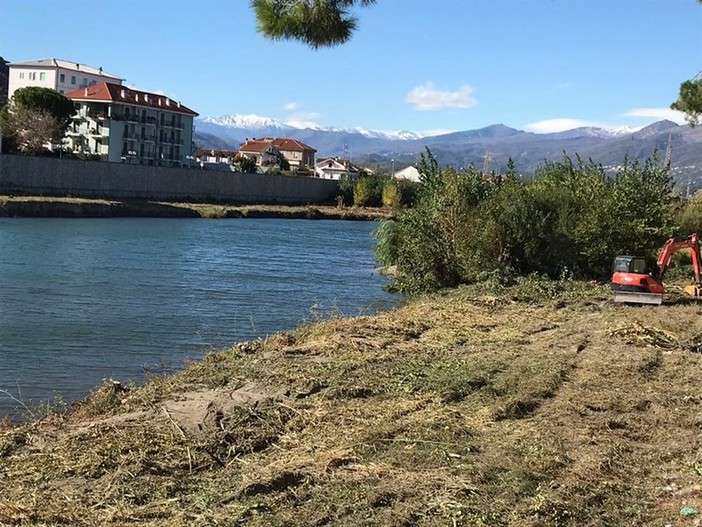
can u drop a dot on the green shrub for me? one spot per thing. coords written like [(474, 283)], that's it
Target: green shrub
[(368, 190), (573, 221), (690, 216), (392, 198)]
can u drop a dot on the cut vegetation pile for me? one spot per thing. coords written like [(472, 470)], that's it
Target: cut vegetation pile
[(476, 407)]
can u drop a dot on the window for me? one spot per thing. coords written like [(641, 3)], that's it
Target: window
[(73, 79), (62, 77), (42, 76), (32, 76)]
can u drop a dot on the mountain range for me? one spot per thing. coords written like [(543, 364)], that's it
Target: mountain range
[(489, 148)]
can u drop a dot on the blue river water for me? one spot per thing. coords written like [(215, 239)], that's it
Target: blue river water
[(83, 300)]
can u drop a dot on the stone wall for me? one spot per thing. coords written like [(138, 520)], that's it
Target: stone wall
[(45, 176)]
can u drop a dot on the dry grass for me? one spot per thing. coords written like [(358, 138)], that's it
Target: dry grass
[(467, 408)]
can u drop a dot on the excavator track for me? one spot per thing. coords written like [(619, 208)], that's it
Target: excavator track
[(633, 297)]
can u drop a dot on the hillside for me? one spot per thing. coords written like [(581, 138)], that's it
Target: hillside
[(490, 147), (544, 404)]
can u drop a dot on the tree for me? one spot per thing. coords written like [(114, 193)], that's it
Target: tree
[(690, 99), (317, 23), (248, 165), (36, 117)]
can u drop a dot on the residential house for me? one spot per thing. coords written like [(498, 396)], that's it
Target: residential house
[(60, 75), (299, 156), (262, 150), (335, 167), (222, 160), (208, 155), (268, 150), (119, 124)]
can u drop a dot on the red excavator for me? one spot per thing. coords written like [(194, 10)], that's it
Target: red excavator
[(634, 282)]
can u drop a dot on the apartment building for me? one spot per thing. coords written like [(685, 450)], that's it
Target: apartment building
[(122, 125), (60, 75)]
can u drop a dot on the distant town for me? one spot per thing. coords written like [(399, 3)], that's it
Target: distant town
[(117, 124)]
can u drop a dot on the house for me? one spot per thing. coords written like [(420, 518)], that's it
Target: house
[(60, 75), (208, 155), (335, 167), (410, 173), (269, 150), (119, 124), (298, 155), (262, 150)]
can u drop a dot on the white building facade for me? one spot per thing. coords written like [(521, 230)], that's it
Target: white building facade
[(335, 168), (120, 125), (56, 74)]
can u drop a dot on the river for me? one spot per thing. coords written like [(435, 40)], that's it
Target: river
[(84, 300)]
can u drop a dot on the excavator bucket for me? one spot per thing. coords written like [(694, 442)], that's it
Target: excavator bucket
[(632, 297), (694, 290)]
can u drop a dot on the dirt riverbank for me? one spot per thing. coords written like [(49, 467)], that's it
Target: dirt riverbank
[(537, 405), (45, 207)]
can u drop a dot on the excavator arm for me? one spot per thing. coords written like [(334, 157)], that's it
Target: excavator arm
[(671, 247), (631, 283)]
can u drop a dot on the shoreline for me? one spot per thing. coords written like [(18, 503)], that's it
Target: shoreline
[(499, 403), (65, 207)]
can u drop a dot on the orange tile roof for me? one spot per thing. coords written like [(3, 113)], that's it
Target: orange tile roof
[(291, 144), (107, 91), (255, 145), (260, 144)]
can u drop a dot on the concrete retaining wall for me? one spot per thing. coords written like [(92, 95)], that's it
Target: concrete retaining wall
[(44, 176)]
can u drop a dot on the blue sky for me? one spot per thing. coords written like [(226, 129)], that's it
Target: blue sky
[(419, 65)]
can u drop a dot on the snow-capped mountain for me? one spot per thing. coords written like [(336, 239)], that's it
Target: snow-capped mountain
[(253, 122), (493, 145), (238, 120)]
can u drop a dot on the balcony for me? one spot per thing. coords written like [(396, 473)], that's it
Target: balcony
[(132, 118)]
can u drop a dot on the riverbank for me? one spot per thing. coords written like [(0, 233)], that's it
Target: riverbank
[(47, 207), (541, 404)]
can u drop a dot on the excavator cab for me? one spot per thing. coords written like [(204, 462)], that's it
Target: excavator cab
[(635, 281)]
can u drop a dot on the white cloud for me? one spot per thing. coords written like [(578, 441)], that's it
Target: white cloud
[(636, 118), (303, 120), (435, 132), (156, 92), (291, 106), (426, 97), (559, 125), (657, 114)]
